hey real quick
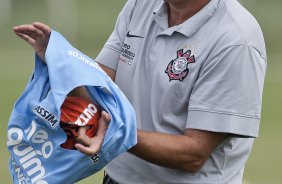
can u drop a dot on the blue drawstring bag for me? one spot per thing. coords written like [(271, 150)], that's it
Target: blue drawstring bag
[(34, 135)]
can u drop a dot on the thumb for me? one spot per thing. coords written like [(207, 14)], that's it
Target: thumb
[(103, 124), (96, 141)]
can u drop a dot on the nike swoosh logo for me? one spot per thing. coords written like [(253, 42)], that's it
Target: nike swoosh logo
[(133, 36)]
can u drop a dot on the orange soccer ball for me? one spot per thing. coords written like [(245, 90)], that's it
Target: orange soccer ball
[(77, 112)]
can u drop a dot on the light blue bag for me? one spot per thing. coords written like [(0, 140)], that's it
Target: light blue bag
[(34, 135)]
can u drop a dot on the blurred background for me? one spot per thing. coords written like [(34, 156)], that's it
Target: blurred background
[(87, 25)]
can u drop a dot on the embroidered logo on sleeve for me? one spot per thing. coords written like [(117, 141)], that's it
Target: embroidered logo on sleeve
[(178, 69), (127, 54)]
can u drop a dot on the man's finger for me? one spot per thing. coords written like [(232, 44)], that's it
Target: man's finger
[(27, 39), (91, 150), (82, 138), (28, 30), (44, 28), (103, 124)]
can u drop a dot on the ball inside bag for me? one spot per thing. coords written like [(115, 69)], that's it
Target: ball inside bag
[(77, 112)]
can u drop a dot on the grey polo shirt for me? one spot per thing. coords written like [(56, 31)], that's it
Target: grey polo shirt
[(205, 74)]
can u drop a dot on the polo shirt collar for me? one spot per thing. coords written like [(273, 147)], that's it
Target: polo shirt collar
[(190, 26), (160, 15)]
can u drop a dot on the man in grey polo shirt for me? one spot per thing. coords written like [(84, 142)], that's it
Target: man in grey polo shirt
[(194, 72)]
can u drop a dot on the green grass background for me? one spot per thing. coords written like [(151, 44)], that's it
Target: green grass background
[(87, 25)]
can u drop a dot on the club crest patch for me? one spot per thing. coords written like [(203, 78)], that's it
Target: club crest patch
[(178, 69)]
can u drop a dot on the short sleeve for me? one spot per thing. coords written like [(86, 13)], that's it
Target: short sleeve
[(110, 53), (227, 95)]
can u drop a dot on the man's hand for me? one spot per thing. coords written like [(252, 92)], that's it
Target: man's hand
[(37, 35), (90, 146)]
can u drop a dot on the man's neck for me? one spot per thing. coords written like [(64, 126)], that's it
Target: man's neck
[(181, 10)]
